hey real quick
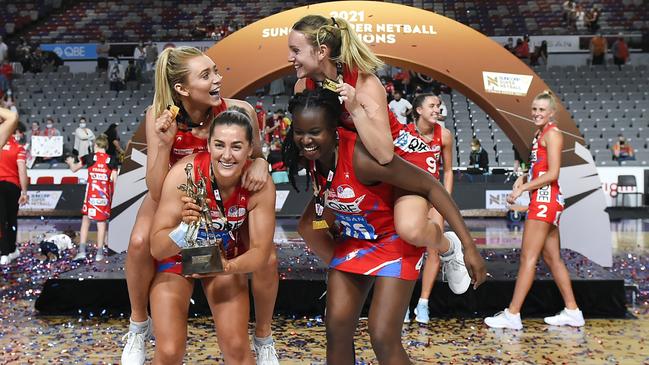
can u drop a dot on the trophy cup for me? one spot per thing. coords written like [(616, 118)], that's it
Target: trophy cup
[(203, 252)]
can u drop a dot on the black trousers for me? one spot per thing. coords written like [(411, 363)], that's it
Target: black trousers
[(9, 195)]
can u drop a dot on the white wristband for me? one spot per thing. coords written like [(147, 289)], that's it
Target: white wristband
[(178, 235)]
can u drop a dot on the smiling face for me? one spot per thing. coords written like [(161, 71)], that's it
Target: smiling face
[(429, 109), (542, 112), (313, 134), (229, 150), (203, 83), (302, 55)]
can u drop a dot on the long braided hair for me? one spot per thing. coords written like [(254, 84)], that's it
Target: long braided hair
[(324, 99)]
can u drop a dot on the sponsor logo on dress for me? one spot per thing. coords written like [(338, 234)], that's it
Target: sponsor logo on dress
[(409, 143)]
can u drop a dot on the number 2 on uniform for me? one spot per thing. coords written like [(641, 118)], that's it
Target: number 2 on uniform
[(543, 213)]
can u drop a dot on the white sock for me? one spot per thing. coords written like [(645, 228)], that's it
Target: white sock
[(572, 311), (138, 327), (422, 301)]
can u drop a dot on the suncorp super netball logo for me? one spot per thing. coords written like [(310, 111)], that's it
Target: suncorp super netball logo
[(371, 33)]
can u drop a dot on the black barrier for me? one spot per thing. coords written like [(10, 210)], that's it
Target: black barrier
[(468, 192)]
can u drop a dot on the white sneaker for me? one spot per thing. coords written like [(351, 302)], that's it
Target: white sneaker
[(266, 354), (5, 260), (421, 313), (134, 352), (565, 317), (100, 255), (505, 319), (406, 319), (453, 269), (14, 255), (80, 256)]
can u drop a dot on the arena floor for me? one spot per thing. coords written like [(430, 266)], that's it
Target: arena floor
[(27, 338)]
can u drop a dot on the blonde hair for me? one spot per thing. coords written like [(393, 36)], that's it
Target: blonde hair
[(171, 69), (549, 96), (101, 141), (337, 34)]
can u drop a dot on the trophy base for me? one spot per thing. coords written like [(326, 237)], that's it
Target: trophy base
[(201, 260)]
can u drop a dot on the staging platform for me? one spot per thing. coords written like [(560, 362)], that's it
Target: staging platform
[(99, 287)]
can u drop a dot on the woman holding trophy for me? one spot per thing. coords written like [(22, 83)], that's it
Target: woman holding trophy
[(224, 212), (187, 98)]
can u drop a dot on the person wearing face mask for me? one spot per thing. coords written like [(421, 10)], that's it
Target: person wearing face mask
[(83, 139), (13, 186), (50, 130), (478, 159), (622, 150)]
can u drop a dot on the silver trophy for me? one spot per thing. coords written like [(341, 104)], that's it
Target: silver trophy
[(203, 252)]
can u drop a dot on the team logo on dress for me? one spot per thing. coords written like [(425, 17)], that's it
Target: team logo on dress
[(236, 211), (345, 192)]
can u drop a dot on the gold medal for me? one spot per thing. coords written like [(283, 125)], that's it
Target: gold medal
[(320, 224), (330, 85)]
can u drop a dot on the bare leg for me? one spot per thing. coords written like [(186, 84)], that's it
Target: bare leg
[(228, 299), (346, 294), (389, 303), (265, 284), (534, 236), (170, 294), (85, 227), (431, 267), (552, 258), (412, 224), (140, 267), (319, 241), (101, 235)]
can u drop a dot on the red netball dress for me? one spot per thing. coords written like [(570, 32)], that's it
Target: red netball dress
[(185, 143), (368, 243), (99, 190), (429, 159), (236, 211), (546, 203)]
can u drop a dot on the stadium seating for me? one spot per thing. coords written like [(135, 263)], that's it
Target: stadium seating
[(87, 21)]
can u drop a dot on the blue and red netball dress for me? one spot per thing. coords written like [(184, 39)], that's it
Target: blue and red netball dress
[(546, 203), (99, 190), (236, 211), (368, 243), (185, 143), (407, 145)]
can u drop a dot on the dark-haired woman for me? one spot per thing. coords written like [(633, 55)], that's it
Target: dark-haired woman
[(541, 233), (231, 207), (426, 110), (187, 78), (359, 193), (325, 52)]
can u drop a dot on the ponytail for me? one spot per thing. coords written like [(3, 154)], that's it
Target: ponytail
[(339, 35), (354, 52), (171, 69)]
